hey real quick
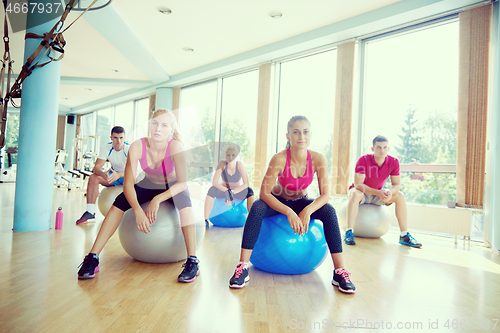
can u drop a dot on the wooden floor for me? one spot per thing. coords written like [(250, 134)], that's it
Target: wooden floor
[(396, 285)]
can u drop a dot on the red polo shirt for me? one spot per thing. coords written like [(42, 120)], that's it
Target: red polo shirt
[(376, 176)]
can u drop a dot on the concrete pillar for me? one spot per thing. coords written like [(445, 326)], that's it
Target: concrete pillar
[(164, 98), (37, 139)]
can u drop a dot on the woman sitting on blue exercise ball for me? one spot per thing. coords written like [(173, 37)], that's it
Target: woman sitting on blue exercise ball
[(235, 183), (294, 169)]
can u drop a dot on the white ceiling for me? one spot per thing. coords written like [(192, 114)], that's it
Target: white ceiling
[(219, 29), (140, 42)]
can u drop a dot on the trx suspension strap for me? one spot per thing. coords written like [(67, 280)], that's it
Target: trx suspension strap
[(52, 41)]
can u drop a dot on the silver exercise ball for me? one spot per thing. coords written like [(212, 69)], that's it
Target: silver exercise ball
[(373, 221), (165, 243), (107, 197)]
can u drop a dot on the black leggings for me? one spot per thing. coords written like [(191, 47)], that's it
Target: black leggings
[(214, 192), (146, 190), (325, 214)]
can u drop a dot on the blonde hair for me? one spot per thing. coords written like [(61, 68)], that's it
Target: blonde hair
[(234, 147), (173, 121), (290, 123)]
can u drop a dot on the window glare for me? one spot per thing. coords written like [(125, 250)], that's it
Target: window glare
[(307, 87), (239, 116), (411, 80)]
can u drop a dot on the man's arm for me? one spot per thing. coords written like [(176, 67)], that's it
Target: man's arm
[(359, 179), (396, 184), (99, 163)]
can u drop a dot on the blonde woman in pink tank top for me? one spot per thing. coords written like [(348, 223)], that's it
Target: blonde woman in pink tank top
[(161, 156)]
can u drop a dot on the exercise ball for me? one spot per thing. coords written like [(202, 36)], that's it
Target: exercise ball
[(232, 216), (280, 250), (373, 221), (107, 197), (165, 243)]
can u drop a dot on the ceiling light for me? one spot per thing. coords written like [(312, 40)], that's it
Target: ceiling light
[(275, 14), (115, 70), (88, 89), (188, 49), (164, 10)]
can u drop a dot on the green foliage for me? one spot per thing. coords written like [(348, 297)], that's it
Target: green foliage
[(436, 145), (441, 131), (411, 148), (233, 131), (435, 188)]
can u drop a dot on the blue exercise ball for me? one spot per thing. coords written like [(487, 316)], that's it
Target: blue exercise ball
[(280, 250), (233, 216)]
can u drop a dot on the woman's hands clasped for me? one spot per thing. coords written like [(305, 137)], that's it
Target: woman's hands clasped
[(299, 223), (144, 220)]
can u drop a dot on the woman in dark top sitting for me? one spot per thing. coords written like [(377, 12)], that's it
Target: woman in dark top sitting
[(234, 183)]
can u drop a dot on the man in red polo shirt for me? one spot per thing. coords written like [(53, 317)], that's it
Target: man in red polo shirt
[(370, 175)]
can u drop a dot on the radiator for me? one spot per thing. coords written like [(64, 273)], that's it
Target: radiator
[(455, 221)]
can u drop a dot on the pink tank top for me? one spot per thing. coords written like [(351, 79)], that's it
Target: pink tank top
[(166, 167), (291, 183)]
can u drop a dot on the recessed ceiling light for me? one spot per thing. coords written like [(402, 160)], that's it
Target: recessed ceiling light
[(275, 14), (188, 49), (164, 10), (115, 70)]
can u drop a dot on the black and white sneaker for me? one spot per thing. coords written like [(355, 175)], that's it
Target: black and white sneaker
[(342, 281), (89, 267), (190, 271), (240, 276)]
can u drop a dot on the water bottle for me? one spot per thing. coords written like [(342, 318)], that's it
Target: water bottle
[(59, 218)]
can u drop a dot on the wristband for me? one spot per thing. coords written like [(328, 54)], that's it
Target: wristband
[(229, 195)]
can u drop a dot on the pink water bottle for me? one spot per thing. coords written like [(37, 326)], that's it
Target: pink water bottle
[(59, 218)]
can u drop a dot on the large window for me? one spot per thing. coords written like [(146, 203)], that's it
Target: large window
[(124, 117), (88, 132), (411, 97), (239, 116), (307, 87), (105, 122), (141, 120), (197, 127)]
